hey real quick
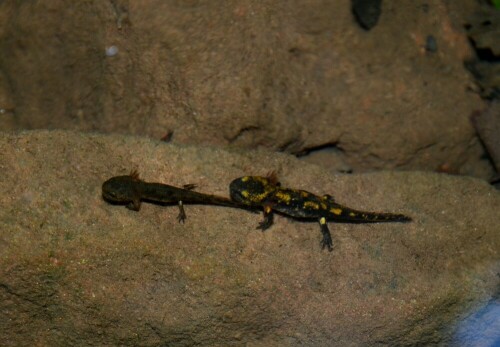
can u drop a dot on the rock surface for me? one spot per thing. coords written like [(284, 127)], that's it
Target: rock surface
[(75, 270), (291, 76)]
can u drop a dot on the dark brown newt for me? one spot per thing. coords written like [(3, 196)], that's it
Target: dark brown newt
[(130, 190), (266, 192)]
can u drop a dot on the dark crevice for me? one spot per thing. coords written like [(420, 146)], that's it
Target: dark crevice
[(327, 146), (243, 131), (293, 146), (481, 29), (484, 54)]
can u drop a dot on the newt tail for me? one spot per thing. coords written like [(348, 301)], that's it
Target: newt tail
[(130, 190)]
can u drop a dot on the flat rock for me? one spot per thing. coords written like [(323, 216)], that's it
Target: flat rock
[(76, 270)]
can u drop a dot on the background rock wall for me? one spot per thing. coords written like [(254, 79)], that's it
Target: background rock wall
[(291, 76)]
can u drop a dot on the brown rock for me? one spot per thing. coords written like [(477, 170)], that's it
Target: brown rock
[(288, 76), (487, 124), (75, 270)]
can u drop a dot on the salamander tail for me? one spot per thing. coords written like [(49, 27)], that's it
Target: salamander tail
[(369, 217), (389, 217)]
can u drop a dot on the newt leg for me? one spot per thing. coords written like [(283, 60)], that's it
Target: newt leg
[(273, 178), (268, 218), (189, 186), (134, 205), (181, 217), (328, 197), (327, 238)]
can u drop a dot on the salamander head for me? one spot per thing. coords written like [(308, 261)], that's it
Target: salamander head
[(120, 189), (251, 190)]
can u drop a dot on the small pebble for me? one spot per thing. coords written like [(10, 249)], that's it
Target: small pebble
[(430, 44), (111, 51)]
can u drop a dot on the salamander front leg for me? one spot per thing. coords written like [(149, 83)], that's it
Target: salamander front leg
[(189, 186), (268, 218), (181, 217), (134, 205), (327, 238)]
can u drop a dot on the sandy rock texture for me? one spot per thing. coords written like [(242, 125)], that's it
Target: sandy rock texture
[(293, 76), (75, 270)]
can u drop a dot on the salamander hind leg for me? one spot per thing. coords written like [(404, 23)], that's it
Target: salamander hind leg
[(268, 219), (327, 237), (181, 217)]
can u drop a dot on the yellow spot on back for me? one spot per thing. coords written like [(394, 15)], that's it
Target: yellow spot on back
[(323, 206), (262, 180), (286, 198), (246, 178), (304, 194), (245, 193), (337, 211), (352, 214), (311, 204), (322, 220)]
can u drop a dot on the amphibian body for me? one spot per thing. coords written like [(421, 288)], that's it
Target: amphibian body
[(130, 190), (266, 192)]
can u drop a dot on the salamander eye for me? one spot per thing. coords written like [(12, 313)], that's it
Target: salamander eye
[(109, 196)]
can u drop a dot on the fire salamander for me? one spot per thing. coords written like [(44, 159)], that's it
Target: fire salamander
[(266, 192), (130, 190)]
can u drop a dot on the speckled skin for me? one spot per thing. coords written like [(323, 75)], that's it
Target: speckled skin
[(265, 192)]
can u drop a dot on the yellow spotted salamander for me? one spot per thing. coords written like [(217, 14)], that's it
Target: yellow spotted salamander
[(130, 190), (266, 192)]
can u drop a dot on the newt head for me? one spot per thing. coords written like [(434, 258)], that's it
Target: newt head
[(120, 189), (251, 190)]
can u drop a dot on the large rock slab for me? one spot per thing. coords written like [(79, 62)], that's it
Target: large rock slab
[(76, 270), (294, 76)]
